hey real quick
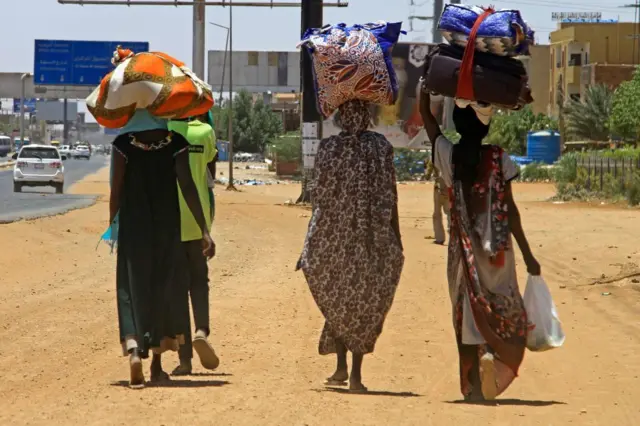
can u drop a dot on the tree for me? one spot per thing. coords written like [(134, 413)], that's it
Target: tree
[(253, 123), (625, 120), (509, 128), (589, 118)]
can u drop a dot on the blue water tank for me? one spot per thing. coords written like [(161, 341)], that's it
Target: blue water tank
[(223, 150), (543, 146)]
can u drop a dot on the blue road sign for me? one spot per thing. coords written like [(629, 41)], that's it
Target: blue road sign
[(76, 63), (29, 105)]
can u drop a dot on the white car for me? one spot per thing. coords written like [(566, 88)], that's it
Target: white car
[(81, 151), (65, 151), (38, 165)]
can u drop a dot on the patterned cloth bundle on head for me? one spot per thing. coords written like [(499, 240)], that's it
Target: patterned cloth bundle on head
[(502, 33), (352, 63), (153, 81), (478, 67)]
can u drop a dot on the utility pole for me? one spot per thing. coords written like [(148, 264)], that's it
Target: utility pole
[(311, 14), (230, 186), (199, 25), (65, 123)]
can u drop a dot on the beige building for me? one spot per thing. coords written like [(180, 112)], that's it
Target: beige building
[(575, 45), (537, 66)]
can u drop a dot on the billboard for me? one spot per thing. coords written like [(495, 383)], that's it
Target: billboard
[(54, 110), (256, 72), (401, 123), (29, 105), (76, 63)]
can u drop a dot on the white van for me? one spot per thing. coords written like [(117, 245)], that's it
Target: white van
[(5, 145)]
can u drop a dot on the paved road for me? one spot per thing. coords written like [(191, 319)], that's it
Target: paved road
[(38, 202)]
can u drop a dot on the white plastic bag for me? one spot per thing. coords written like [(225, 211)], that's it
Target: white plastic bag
[(542, 313)]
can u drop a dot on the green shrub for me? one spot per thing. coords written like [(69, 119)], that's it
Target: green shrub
[(566, 170), (633, 189), (287, 149), (536, 172)]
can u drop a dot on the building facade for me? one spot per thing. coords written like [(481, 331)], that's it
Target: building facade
[(576, 45), (537, 66)]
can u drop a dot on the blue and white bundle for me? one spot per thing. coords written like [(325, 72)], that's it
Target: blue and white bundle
[(503, 33)]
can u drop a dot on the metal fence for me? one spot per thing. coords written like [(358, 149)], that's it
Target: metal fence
[(597, 167)]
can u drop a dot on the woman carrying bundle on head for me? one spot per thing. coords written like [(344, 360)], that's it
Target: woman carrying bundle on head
[(352, 256), (488, 313), (147, 160)]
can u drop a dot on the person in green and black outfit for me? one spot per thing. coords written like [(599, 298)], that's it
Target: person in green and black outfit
[(192, 264)]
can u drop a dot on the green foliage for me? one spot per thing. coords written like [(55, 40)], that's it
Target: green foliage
[(536, 172), (588, 119), (287, 148), (614, 154), (633, 189), (566, 170), (625, 120), (509, 129), (405, 162), (253, 123), (572, 183)]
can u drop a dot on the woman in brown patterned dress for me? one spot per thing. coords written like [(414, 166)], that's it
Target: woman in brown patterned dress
[(352, 256)]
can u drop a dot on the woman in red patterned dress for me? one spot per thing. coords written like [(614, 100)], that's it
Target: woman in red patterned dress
[(488, 313)]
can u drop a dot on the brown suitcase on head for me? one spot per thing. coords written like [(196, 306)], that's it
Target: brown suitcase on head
[(490, 86)]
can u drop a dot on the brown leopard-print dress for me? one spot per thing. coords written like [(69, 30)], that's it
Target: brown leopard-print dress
[(352, 257)]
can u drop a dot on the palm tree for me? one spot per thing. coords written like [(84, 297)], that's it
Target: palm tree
[(589, 118)]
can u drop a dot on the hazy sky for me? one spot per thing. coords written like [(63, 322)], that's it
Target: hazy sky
[(169, 29)]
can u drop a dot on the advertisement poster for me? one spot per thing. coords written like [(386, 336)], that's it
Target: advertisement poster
[(401, 123)]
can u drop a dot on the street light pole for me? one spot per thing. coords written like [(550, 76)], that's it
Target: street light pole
[(224, 62), (230, 186), (23, 91)]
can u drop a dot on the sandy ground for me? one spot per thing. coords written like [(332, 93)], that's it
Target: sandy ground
[(61, 364)]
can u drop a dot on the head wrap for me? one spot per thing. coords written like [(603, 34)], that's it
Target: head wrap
[(354, 117), (143, 120)]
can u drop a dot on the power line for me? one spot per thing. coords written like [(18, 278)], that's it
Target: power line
[(578, 6)]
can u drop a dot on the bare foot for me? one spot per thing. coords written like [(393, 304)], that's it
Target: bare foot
[(356, 386), (157, 373), (339, 378), (137, 375)]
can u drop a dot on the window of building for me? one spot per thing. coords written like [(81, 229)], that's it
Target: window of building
[(273, 59), (575, 97), (575, 60), (252, 59)]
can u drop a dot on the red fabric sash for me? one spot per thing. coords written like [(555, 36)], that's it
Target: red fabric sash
[(465, 79)]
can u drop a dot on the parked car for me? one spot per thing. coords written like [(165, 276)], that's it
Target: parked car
[(38, 165), (5, 145), (65, 151), (81, 151)]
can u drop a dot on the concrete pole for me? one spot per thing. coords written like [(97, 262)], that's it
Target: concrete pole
[(65, 125), (311, 17), (199, 26), (23, 79), (230, 186), (437, 11)]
